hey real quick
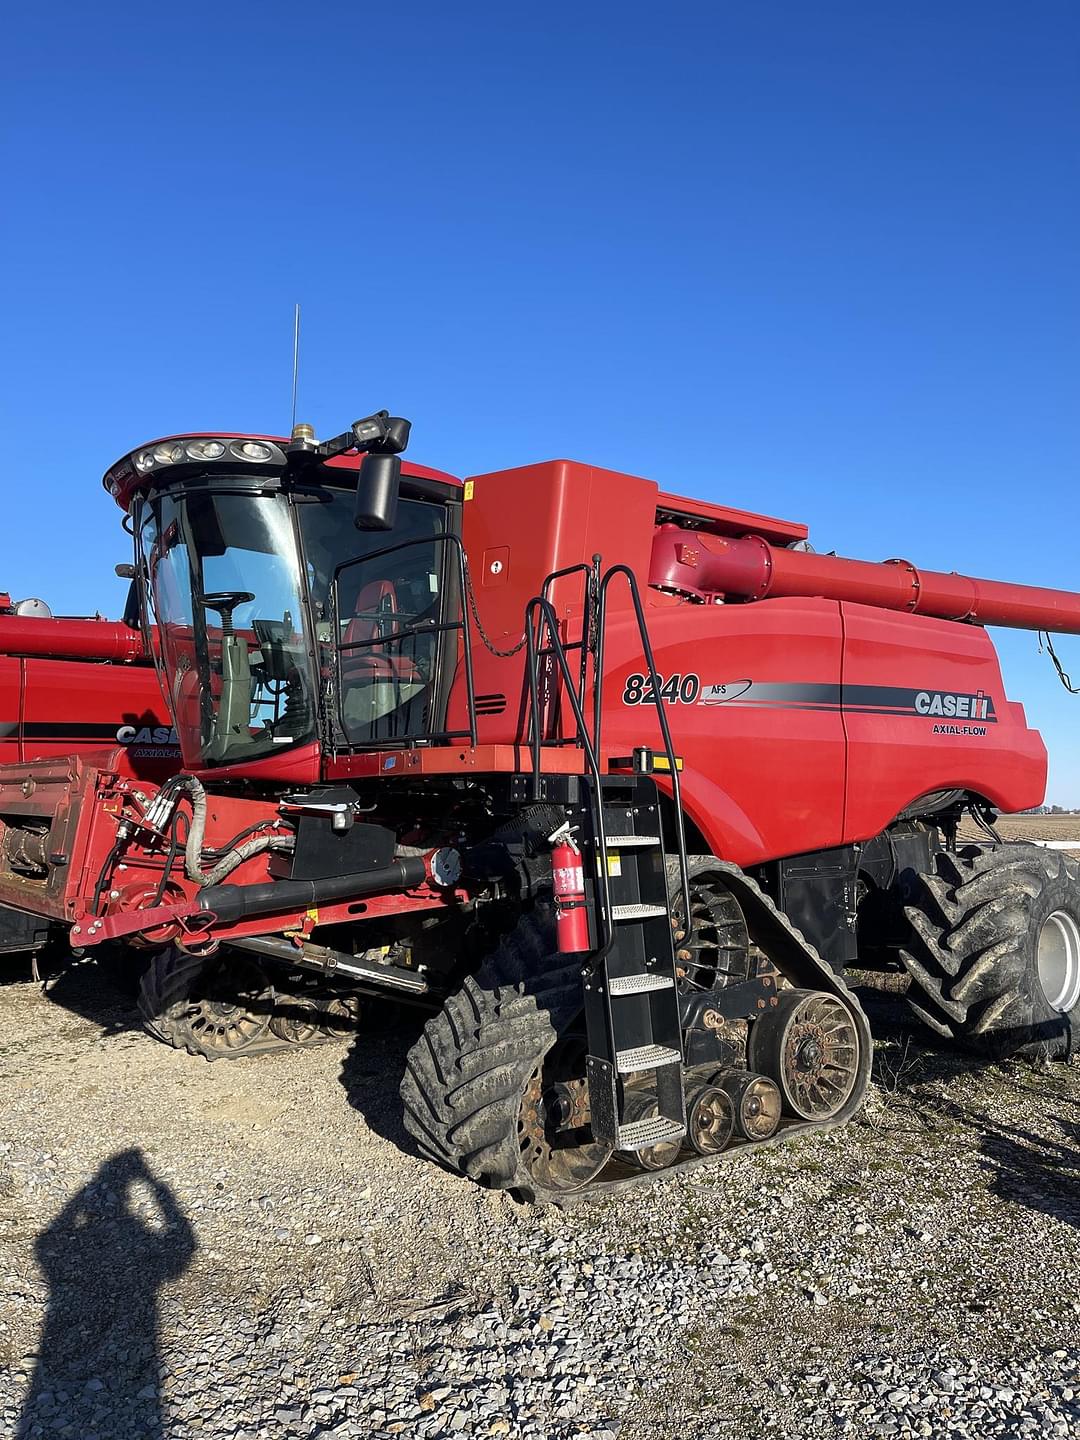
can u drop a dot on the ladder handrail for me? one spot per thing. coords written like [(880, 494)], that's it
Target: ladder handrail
[(542, 612), (591, 590), (665, 729)]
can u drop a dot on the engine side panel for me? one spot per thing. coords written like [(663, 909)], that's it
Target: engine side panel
[(752, 694), (924, 710)]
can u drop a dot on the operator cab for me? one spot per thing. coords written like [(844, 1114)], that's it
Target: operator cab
[(282, 623)]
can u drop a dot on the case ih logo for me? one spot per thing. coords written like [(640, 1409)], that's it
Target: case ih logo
[(147, 735), (953, 706)]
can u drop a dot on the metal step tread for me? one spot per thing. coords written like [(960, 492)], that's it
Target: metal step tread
[(645, 1057), (640, 1134), (625, 842), (637, 912), (638, 984)]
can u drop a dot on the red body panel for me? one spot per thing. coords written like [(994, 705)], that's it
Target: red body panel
[(767, 771), (894, 759), (739, 784)]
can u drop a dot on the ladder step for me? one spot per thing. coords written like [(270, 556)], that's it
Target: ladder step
[(626, 842), (640, 1134), (638, 984), (645, 1057), (637, 912)]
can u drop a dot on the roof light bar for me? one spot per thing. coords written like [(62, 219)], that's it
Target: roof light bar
[(175, 452)]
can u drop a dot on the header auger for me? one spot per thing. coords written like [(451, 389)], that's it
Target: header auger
[(616, 784)]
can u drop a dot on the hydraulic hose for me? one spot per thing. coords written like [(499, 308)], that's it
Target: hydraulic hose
[(234, 856)]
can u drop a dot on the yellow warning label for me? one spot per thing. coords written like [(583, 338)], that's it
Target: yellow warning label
[(614, 863), (468, 489)]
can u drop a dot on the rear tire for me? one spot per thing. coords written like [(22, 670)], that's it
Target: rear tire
[(994, 951)]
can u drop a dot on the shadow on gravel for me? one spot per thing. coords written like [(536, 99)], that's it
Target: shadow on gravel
[(105, 1256), (373, 1066), (1036, 1168), (102, 990)]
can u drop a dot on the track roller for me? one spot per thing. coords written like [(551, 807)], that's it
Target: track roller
[(710, 1120), (755, 1103), (643, 1106)]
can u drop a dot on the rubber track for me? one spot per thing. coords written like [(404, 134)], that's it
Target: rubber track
[(164, 991), (972, 949), (465, 1075)]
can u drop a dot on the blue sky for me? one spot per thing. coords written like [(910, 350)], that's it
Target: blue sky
[(816, 259)]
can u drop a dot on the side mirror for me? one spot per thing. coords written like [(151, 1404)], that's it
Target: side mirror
[(377, 492)]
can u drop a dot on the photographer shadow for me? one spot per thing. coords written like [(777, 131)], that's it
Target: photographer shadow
[(105, 1257)]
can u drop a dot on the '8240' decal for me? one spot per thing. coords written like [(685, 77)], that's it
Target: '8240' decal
[(675, 690)]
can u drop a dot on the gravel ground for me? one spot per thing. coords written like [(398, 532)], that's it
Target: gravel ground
[(252, 1250)]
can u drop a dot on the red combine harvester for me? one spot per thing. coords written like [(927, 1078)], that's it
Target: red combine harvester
[(616, 783), (76, 685)]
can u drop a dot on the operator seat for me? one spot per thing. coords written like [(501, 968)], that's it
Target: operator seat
[(377, 680)]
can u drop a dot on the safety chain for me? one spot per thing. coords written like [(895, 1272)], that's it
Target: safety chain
[(488, 644)]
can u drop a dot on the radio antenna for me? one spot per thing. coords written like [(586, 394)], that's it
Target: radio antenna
[(295, 363)]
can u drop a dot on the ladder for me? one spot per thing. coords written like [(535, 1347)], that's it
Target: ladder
[(633, 1021)]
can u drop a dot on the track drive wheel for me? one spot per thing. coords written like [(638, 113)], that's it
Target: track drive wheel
[(217, 1006), (716, 948), (810, 1047), (495, 1087), (994, 950)]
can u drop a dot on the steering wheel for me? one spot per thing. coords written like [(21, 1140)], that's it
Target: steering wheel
[(226, 601)]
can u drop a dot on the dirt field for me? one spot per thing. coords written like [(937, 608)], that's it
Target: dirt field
[(253, 1251), (1033, 827)]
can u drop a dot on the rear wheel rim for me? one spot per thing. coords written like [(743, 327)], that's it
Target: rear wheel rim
[(557, 1148), (1059, 961)]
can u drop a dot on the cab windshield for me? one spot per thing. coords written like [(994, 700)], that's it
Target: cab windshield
[(245, 661), (224, 580)]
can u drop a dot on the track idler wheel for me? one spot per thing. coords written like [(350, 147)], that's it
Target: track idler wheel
[(643, 1106), (755, 1103), (809, 1046), (710, 1120), (217, 1006)]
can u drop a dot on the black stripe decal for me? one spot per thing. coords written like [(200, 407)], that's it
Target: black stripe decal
[(927, 703), (66, 730)]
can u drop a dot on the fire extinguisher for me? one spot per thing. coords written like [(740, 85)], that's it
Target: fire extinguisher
[(568, 876)]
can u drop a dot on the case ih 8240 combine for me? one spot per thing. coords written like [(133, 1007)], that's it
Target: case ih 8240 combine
[(616, 783)]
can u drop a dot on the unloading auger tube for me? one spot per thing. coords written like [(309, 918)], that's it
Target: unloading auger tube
[(750, 569), (471, 1078)]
